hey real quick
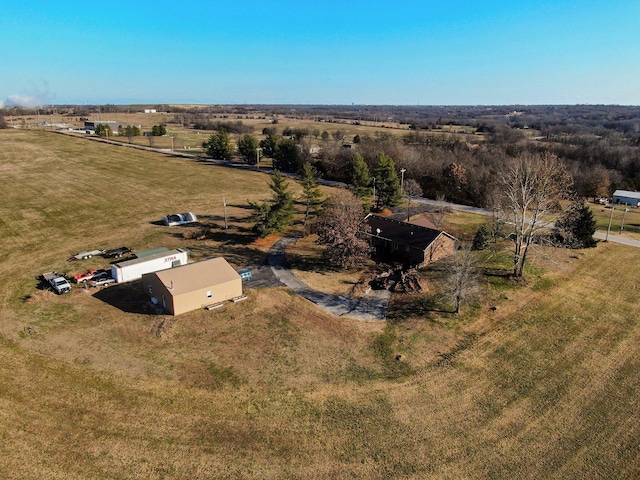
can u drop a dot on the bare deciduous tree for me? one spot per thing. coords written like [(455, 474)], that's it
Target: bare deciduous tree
[(462, 282), (341, 228), (437, 215), (532, 186), (412, 189)]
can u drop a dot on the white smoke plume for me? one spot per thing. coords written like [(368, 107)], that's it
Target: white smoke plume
[(31, 100)]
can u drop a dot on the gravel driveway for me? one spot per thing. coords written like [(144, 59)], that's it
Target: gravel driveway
[(371, 307)]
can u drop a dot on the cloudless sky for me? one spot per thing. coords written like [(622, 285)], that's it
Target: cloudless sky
[(446, 52)]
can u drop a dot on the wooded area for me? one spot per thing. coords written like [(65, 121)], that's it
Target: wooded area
[(452, 152)]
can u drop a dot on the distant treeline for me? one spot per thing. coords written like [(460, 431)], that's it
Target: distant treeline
[(600, 144)]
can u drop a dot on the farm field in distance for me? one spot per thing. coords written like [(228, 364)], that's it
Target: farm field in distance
[(545, 385)]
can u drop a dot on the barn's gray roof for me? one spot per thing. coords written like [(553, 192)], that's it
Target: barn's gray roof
[(626, 193)]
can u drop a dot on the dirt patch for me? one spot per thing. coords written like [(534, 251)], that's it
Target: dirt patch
[(40, 296), (163, 327), (266, 242)]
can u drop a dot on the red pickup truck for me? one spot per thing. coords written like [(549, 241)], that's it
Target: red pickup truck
[(91, 274)]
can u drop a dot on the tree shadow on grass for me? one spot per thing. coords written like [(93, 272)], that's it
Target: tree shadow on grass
[(234, 235), (309, 263), (407, 306), (212, 221), (236, 254), (243, 206), (497, 272)]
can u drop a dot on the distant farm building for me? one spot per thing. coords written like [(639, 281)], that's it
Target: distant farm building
[(90, 125), (193, 286), (315, 149), (625, 197), (408, 243)]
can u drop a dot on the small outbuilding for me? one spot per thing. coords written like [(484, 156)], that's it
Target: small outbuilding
[(625, 197), (90, 125), (193, 286), (411, 244)]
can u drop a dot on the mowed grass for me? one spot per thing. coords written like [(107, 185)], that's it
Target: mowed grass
[(545, 386)]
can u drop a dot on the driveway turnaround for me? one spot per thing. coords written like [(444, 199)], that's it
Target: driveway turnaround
[(371, 307)]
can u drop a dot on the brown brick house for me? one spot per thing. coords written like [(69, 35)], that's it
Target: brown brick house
[(411, 244)]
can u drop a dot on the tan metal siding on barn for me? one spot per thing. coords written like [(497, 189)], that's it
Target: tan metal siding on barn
[(186, 288)]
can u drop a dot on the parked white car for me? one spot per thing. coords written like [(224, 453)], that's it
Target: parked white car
[(179, 219)]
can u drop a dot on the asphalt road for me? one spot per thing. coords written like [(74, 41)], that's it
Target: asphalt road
[(617, 239), (481, 211), (424, 201)]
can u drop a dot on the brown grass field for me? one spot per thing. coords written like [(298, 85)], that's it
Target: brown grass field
[(181, 138), (94, 387)]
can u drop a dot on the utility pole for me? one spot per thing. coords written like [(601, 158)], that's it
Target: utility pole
[(224, 203), (402, 170), (609, 228), (624, 212), (374, 192)]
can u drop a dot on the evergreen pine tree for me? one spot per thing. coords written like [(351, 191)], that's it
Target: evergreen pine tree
[(481, 238), (219, 146), (575, 227), (387, 183), (275, 215), (311, 194), (360, 177)]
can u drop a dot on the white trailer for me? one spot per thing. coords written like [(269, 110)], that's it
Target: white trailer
[(130, 270)]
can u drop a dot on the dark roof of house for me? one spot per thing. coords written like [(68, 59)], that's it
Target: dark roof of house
[(403, 233), (422, 221)]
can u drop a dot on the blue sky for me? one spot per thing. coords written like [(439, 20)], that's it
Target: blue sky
[(333, 52)]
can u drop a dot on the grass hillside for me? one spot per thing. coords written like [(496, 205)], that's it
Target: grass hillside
[(92, 386)]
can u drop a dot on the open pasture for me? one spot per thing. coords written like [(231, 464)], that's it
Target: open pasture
[(92, 386)]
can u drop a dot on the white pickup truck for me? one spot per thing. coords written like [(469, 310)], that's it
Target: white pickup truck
[(57, 282)]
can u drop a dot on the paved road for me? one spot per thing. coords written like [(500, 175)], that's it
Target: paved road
[(455, 206), (424, 201), (481, 211), (617, 239), (371, 307)]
